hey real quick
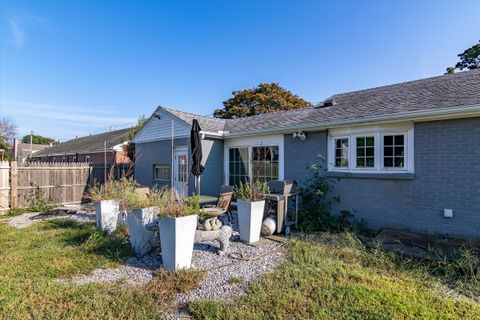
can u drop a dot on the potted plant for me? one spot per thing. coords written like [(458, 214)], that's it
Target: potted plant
[(109, 202), (178, 222), (250, 208), (142, 210)]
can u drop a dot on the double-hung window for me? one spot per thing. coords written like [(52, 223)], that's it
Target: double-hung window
[(371, 149), (394, 151), (341, 152), (365, 151)]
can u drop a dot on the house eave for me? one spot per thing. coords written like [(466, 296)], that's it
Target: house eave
[(415, 116)]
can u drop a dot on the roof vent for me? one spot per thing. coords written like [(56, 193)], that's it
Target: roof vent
[(329, 102), (326, 103)]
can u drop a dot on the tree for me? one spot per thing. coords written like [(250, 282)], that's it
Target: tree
[(37, 139), (266, 98), (469, 59), (8, 130), (129, 148)]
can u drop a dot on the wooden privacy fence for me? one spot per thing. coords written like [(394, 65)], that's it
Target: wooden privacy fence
[(60, 183)]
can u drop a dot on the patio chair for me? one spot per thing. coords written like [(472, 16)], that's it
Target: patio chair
[(224, 200)]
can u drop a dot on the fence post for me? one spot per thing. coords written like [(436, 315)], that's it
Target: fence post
[(13, 184)]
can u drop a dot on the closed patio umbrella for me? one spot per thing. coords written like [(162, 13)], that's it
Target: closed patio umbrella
[(196, 146)]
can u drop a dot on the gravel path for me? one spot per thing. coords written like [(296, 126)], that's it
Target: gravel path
[(227, 275), (135, 272), (27, 219)]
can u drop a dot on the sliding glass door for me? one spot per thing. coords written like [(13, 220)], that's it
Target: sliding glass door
[(238, 165), (253, 163)]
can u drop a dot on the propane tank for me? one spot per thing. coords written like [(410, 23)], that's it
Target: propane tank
[(269, 226)]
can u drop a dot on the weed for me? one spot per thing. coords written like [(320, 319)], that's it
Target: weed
[(235, 280), (333, 276)]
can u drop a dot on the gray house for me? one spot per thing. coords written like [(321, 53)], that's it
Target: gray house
[(408, 154)]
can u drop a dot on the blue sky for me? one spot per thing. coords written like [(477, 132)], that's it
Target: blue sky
[(71, 68)]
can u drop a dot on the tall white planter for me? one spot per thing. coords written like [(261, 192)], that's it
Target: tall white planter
[(141, 239), (250, 217), (106, 214), (176, 239)]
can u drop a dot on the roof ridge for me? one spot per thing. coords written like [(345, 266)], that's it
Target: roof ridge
[(193, 114)]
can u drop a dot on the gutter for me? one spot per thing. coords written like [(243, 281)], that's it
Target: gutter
[(424, 115)]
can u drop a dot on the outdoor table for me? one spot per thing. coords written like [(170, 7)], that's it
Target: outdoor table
[(205, 199)]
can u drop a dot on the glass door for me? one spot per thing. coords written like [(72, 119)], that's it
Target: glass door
[(180, 173)]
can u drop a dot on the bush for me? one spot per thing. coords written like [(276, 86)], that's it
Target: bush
[(315, 210)]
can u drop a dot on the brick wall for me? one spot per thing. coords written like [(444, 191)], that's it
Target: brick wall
[(447, 175)]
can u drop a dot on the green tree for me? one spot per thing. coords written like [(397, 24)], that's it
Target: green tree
[(266, 98), (37, 139), (469, 59), (129, 148), (8, 130)]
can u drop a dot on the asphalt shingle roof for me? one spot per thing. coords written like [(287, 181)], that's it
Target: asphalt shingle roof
[(88, 144), (206, 123), (442, 92), (447, 91)]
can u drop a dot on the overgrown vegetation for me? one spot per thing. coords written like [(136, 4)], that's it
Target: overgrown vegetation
[(33, 259), (333, 276), (38, 203), (122, 190), (247, 192), (315, 211), (129, 148), (458, 267)]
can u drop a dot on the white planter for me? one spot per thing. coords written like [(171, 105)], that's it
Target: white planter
[(176, 239), (250, 217), (140, 238), (106, 214)]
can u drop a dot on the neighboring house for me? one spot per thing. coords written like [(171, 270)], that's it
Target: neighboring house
[(92, 149), (406, 154), (22, 151)]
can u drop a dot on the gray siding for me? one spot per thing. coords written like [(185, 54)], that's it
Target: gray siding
[(447, 175), (299, 154), (159, 152), (212, 177), (152, 153), (157, 129)]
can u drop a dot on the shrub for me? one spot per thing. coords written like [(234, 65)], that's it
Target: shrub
[(315, 210)]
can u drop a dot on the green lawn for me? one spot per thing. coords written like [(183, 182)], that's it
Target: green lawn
[(32, 259), (334, 277)]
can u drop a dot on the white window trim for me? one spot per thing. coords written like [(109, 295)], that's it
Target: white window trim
[(377, 131), (87, 159), (334, 147), (250, 142), (353, 152), (156, 178)]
